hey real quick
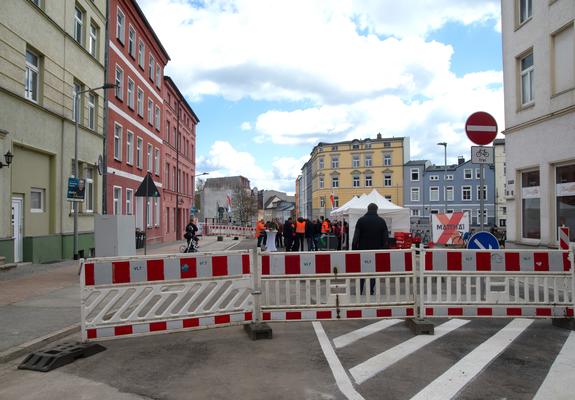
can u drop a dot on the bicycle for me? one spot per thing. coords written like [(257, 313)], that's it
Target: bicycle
[(190, 247)]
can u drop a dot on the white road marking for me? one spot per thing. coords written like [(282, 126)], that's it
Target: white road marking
[(561, 374), (354, 336), (459, 375), (380, 362), (341, 379)]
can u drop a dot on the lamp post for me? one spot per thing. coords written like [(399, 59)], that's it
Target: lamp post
[(444, 144), (8, 158), (76, 118)]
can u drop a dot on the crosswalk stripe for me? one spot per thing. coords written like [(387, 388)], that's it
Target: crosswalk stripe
[(456, 377), (351, 337), (380, 362), (561, 374), (341, 379)]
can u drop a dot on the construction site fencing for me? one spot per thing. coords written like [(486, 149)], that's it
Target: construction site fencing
[(229, 230)]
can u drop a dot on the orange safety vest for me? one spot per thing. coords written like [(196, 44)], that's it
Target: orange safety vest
[(300, 227), (259, 228), (325, 227)]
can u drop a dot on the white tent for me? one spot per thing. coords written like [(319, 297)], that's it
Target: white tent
[(396, 217)]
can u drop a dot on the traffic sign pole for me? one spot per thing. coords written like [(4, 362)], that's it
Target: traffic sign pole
[(481, 196)]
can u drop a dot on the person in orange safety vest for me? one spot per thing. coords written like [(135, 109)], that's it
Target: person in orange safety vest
[(300, 226), (261, 232)]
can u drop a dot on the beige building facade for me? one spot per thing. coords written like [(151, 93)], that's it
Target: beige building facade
[(49, 50), (539, 89), (351, 168)]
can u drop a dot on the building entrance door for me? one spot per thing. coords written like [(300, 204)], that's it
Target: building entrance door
[(18, 227)]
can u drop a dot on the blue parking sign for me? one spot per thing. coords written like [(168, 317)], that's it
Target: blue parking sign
[(483, 241)]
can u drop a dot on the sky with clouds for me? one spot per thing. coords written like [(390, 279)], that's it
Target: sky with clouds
[(269, 79)]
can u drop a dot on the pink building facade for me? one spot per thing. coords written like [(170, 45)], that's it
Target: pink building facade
[(135, 140), (178, 155)]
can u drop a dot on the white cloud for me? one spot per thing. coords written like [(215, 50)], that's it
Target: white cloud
[(224, 160), (246, 126)]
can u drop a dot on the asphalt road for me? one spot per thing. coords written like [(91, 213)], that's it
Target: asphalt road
[(223, 364)]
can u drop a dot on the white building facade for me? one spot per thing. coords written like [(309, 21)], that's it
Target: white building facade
[(539, 88)]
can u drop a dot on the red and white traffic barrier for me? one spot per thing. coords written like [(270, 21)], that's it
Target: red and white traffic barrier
[(135, 270), (564, 238), (497, 260), (351, 262), (345, 313)]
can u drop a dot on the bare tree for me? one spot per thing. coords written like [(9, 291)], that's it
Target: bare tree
[(244, 206), (197, 195)]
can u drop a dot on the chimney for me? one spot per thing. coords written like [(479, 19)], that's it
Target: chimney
[(460, 160), (379, 135)]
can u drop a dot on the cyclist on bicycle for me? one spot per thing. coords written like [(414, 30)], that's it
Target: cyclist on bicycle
[(190, 234)]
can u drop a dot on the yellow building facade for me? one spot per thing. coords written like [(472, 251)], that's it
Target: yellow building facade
[(351, 168)]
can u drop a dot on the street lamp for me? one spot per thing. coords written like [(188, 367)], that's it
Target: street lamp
[(76, 118), (444, 144), (8, 158)]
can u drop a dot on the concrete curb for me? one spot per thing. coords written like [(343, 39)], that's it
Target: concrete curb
[(35, 344)]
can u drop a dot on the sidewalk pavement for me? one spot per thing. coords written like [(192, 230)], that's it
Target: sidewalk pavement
[(40, 303)]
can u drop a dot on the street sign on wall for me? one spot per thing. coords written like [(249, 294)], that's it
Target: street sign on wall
[(482, 155), (481, 128)]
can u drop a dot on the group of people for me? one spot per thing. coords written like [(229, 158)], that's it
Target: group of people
[(303, 234)]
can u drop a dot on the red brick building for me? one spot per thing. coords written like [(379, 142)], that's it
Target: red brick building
[(179, 152), (135, 138)]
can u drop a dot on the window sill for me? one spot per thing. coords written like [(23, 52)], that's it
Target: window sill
[(526, 106), (523, 23)]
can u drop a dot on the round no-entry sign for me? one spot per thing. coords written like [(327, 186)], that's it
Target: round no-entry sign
[(481, 128)]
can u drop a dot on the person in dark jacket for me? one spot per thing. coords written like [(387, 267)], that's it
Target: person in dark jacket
[(370, 234), (289, 234), (309, 235), (316, 233)]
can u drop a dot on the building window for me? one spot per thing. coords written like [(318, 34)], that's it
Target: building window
[(368, 160), (149, 213), (531, 205), (91, 111), (93, 39), (158, 118), (355, 146), (322, 202), (434, 177), (466, 193), (387, 180), (120, 26), (139, 149), (129, 201), (150, 112), (320, 163), (485, 217), (414, 174), (151, 66), (335, 162), (132, 41), (119, 83), (333, 148), (76, 103), (368, 181), (158, 75), (502, 222), (150, 157), (414, 194), (479, 192), (563, 60), (117, 200), (525, 10), (434, 193), (89, 190), (367, 145), (37, 197), (131, 90), (157, 162), (117, 141), (334, 182), (527, 71), (468, 173), (174, 178), (449, 193), (321, 182), (415, 212), (157, 211), (386, 144), (565, 189), (78, 25), (387, 159), (477, 173), (448, 177), (355, 162), (140, 102), (141, 53), (129, 147), (335, 201), (356, 181), (32, 76)]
